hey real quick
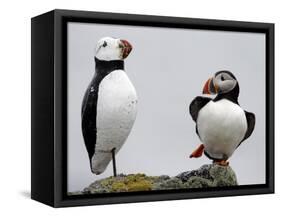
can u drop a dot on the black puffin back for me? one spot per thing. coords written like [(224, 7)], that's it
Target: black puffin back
[(90, 102)]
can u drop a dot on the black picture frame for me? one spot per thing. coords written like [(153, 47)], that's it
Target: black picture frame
[(49, 106)]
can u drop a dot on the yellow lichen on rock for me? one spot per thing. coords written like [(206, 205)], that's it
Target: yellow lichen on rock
[(119, 187), (132, 182), (140, 185)]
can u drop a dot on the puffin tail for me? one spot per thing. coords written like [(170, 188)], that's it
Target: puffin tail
[(100, 161)]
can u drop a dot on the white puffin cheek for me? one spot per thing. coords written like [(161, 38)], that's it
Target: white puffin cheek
[(119, 53), (119, 50), (227, 85), (114, 51)]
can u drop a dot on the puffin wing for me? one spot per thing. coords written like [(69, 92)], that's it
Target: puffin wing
[(251, 121), (196, 105), (88, 116)]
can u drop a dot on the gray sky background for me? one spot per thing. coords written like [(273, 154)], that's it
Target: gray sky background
[(168, 68)]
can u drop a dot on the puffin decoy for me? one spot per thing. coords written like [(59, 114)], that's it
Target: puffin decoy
[(109, 105), (221, 124)]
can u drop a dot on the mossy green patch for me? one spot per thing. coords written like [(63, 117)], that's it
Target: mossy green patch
[(119, 187), (132, 182)]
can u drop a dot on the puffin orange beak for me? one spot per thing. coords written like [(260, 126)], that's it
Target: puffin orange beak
[(126, 48), (206, 89), (210, 87)]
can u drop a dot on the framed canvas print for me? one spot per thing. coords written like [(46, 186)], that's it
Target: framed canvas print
[(134, 108)]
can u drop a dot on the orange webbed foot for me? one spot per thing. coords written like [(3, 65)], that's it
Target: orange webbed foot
[(197, 152)]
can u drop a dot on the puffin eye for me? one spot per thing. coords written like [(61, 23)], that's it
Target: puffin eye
[(222, 78), (104, 44)]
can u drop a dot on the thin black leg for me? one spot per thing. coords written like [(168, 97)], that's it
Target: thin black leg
[(114, 162)]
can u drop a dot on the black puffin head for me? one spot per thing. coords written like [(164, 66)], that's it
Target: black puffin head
[(110, 49), (224, 84)]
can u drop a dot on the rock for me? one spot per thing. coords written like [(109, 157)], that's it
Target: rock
[(171, 183), (122, 183), (203, 172), (209, 175)]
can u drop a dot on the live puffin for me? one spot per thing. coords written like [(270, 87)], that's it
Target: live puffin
[(109, 105), (221, 124)]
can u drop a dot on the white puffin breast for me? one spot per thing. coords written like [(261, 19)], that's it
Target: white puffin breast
[(116, 114), (221, 125)]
